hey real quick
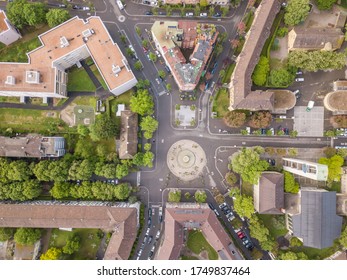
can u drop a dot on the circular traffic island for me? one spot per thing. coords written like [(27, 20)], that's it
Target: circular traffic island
[(186, 159)]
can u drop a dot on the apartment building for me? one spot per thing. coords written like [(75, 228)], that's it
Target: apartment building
[(8, 33), (308, 169), (44, 75), (171, 37)]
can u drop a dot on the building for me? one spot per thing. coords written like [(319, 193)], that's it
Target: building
[(172, 36), (128, 135), (181, 217), (121, 219), (268, 194), (308, 169), (241, 95), (312, 39), (32, 146), (195, 2), (63, 47), (8, 33), (317, 224)]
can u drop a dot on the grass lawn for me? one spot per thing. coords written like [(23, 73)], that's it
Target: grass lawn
[(275, 224), (189, 258), (221, 103), (197, 243), (121, 99), (90, 242), (247, 188), (78, 80), (84, 115), (8, 99), (98, 76), (109, 144), (316, 254), (228, 72), (86, 101), (24, 120)]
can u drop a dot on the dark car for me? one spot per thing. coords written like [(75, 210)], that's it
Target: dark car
[(148, 13), (161, 79), (162, 13), (211, 206), (167, 69), (263, 131), (149, 240), (217, 15), (149, 222), (286, 131), (76, 7)]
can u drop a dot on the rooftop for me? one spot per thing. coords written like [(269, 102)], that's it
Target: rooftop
[(61, 47), (128, 135), (3, 24)]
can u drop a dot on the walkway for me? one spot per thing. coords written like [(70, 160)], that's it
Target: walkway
[(91, 75)]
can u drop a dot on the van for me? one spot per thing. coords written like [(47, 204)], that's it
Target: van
[(189, 14), (309, 106)]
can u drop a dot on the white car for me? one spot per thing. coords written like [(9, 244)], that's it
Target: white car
[(86, 9), (203, 14), (157, 53), (299, 79), (158, 234)]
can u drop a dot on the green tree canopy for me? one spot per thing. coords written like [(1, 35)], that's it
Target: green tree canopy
[(41, 170), (231, 178), (295, 242), (61, 190), (72, 245), (162, 74), (290, 185), (142, 103), (81, 170), (122, 170), (35, 13), (203, 3), (296, 12), (138, 65), (153, 57), (122, 191), (200, 196), (55, 17), (243, 205), (261, 233), (261, 71), (27, 236), (174, 195), (52, 253), (19, 171), (107, 170), (142, 84), (288, 256), (6, 234), (281, 77), (82, 130), (14, 12), (325, 4), (138, 159), (248, 164), (343, 238), (148, 124), (148, 158), (104, 128), (334, 167)]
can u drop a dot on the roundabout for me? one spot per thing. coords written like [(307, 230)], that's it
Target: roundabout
[(186, 159)]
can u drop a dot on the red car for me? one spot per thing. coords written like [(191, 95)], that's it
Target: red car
[(144, 49), (241, 234)]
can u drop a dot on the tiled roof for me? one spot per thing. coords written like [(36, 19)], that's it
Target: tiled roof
[(128, 135)]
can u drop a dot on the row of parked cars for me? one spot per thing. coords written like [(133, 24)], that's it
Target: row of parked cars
[(244, 238)]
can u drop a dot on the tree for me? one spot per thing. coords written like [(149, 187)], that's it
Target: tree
[(296, 12), (174, 195), (342, 152), (41, 170), (261, 71), (145, 43), (34, 13), (103, 191), (19, 171), (197, 10), (81, 170), (6, 234), (85, 149), (325, 4), (203, 3), (261, 233), (59, 169), (30, 189), (138, 65), (72, 245), (248, 164), (162, 74), (231, 178), (343, 238), (82, 130), (290, 185), (260, 119), (235, 43), (129, 52), (55, 17), (142, 103), (60, 190), (82, 191), (123, 38), (52, 253), (221, 74), (218, 49), (334, 167), (235, 118), (122, 191), (329, 152), (153, 57), (147, 147), (211, 11), (200, 196), (293, 133), (148, 126), (281, 77), (148, 158), (14, 12), (27, 236), (142, 84), (122, 170), (295, 242), (340, 121), (243, 205), (288, 256), (138, 30), (282, 31), (224, 11), (241, 28), (138, 159), (104, 128), (168, 87), (107, 170)]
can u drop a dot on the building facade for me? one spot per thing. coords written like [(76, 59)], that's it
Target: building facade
[(63, 47), (308, 169), (8, 33)]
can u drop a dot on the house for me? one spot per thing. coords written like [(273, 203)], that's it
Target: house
[(122, 219), (128, 135), (8, 33), (181, 217), (32, 146), (311, 39), (317, 223), (268, 194), (241, 95), (304, 168), (172, 36), (44, 75)]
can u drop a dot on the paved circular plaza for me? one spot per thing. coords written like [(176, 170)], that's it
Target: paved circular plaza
[(186, 159)]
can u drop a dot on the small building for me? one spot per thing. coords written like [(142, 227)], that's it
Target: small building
[(32, 146), (317, 224), (308, 169), (8, 33), (128, 135), (311, 39), (269, 193)]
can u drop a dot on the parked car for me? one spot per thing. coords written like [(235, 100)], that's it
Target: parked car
[(203, 14), (62, 6), (144, 50), (167, 68), (149, 222), (299, 72), (286, 131), (230, 216), (157, 80), (310, 106), (85, 8), (272, 162), (216, 212), (299, 79), (158, 234), (190, 14), (241, 234), (149, 212), (211, 206), (157, 53), (160, 79), (162, 13), (217, 15), (148, 13), (263, 131)]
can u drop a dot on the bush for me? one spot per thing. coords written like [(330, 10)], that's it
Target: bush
[(235, 118), (260, 119), (261, 71), (174, 196), (281, 32), (290, 185)]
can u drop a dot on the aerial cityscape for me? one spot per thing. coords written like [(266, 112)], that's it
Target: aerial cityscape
[(173, 130)]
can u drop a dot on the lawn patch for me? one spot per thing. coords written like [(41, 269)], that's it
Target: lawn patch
[(228, 72), (86, 100), (221, 103), (8, 99), (84, 115), (17, 52), (98, 76), (316, 254), (78, 80), (197, 243)]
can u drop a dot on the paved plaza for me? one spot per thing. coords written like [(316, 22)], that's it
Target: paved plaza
[(309, 123)]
